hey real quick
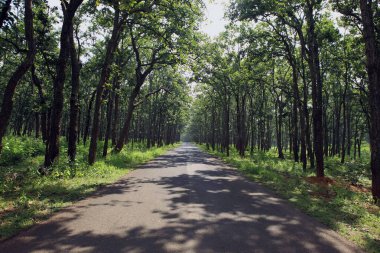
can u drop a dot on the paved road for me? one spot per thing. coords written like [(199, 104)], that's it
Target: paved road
[(185, 201)]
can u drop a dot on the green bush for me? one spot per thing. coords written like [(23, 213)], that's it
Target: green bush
[(16, 149)]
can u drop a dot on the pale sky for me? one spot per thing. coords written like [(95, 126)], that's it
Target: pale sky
[(214, 15)]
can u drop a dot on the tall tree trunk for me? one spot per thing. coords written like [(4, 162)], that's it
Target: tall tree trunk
[(373, 69), (343, 153), (123, 138), (109, 119), (240, 123), (213, 126), (115, 120), (52, 147), (316, 79), (296, 104), (42, 101), (7, 103), (226, 128), (88, 118), (279, 124), (305, 110), (74, 99), (252, 123), (111, 47)]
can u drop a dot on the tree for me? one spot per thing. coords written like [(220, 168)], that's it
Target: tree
[(166, 43), (7, 103), (363, 12), (52, 147)]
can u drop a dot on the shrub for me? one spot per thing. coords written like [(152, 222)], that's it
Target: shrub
[(16, 149)]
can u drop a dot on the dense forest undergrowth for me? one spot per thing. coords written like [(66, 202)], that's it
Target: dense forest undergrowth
[(342, 201), (27, 198)]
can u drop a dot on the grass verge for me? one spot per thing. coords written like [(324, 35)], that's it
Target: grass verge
[(341, 204), (27, 198)]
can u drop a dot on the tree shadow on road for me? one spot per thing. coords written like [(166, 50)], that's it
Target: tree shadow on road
[(213, 209)]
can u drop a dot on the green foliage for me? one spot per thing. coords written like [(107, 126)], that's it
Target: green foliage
[(17, 149), (351, 213)]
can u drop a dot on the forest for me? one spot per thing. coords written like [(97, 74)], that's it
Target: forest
[(90, 89), (296, 76)]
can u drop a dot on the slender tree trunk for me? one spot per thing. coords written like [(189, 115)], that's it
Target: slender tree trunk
[(123, 138), (279, 128), (296, 104), (52, 147), (373, 69), (343, 153), (7, 103), (309, 146), (88, 118), (42, 101), (252, 126), (349, 129), (213, 127), (316, 79), (111, 47), (109, 119), (116, 115), (325, 129), (226, 135), (74, 98), (240, 124)]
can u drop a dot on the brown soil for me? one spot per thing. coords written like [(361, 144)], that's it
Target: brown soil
[(320, 180), (326, 181), (358, 188)]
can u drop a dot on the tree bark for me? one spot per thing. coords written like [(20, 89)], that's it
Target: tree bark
[(316, 79), (343, 149), (373, 69), (88, 118), (279, 124), (111, 47), (7, 103), (74, 98), (109, 119), (52, 148), (42, 100), (123, 138)]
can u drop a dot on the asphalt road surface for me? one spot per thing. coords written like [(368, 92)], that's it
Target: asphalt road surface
[(185, 201)]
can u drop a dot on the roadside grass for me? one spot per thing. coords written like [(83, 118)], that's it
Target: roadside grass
[(27, 198), (344, 204)]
